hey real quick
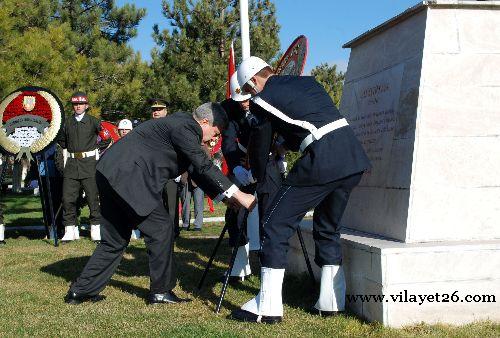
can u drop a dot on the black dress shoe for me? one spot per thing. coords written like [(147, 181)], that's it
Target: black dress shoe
[(245, 316), (322, 313), (167, 297), (76, 298), (2, 242)]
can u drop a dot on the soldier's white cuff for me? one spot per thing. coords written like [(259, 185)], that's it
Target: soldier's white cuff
[(226, 194)]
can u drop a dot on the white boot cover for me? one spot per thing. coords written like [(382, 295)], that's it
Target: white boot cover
[(332, 291), (136, 234), (69, 233), (95, 232), (2, 232), (76, 232), (241, 267), (253, 230), (268, 302)]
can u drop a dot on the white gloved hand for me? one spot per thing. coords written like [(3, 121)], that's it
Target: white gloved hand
[(282, 165), (241, 175), (177, 179)]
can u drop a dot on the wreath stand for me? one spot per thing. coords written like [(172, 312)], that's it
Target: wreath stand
[(49, 222)]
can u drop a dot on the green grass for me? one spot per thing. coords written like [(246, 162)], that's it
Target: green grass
[(34, 277)]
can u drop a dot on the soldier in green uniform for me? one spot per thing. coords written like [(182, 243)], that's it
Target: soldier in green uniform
[(79, 139)]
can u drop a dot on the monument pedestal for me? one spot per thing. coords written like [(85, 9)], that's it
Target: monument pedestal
[(422, 94), (435, 282)]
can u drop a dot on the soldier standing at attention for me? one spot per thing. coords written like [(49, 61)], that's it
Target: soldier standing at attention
[(79, 138)]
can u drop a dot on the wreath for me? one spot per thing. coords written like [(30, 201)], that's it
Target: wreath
[(30, 119)]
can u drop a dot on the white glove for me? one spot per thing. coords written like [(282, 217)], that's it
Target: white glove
[(282, 165), (177, 179), (242, 175)]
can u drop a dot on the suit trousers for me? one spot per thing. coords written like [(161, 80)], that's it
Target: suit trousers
[(289, 207), (118, 220), (70, 194), (170, 195)]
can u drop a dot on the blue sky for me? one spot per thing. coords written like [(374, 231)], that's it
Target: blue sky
[(328, 24)]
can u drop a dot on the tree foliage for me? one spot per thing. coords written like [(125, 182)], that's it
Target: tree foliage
[(70, 45), (331, 79), (190, 60)]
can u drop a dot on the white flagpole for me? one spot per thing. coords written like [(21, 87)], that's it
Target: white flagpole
[(245, 29)]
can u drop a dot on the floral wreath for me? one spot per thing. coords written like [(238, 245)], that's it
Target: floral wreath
[(30, 119)]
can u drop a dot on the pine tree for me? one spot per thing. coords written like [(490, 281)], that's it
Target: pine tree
[(331, 79), (69, 45), (190, 61)]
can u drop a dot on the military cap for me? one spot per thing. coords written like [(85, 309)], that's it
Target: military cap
[(158, 103), (79, 97)]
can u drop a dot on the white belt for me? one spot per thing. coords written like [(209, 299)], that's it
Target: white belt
[(316, 133), (320, 132), (243, 149), (84, 154)]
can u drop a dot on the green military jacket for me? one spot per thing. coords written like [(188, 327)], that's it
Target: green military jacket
[(80, 137)]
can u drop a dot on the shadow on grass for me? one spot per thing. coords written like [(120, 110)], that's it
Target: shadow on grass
[(189, 266), (298, 291), (193, 262), (28, 234)]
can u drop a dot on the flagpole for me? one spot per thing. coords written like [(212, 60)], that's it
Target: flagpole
[(245, 29)]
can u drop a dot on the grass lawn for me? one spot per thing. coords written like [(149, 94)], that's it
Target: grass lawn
[(34, 277)]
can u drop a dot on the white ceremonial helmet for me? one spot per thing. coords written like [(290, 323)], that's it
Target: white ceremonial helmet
[(248, 68), (125, 124), (236, 92)]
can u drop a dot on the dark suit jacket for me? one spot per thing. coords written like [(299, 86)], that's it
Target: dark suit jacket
[(139, 165), (337, 155)]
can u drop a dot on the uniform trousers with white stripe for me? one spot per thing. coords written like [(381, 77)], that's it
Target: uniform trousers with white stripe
[(289, 207)]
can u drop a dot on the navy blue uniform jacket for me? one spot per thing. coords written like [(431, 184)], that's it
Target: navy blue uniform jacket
[(237, 131), (139, 164), (336, 155)]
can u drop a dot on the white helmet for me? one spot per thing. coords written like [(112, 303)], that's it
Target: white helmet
[(125, 124), (236, 93), (248, 68)]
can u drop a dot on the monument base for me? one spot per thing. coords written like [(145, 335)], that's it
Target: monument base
[(401, 284)]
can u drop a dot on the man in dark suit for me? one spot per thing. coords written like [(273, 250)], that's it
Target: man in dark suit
[(332, 163), (131, 176)]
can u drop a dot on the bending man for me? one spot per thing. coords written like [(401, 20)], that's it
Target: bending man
[(130, 178)]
